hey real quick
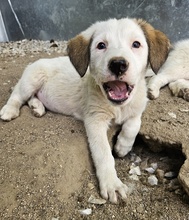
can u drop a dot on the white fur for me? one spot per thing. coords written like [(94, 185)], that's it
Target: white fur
[(174, 72), (55, 84)]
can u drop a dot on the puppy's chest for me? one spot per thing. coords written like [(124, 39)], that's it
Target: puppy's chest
[(121, 115)]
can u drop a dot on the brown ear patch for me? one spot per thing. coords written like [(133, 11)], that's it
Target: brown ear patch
[(159, 45), (79, 52)]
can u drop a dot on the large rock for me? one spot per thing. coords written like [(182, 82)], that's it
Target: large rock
[(165, 124)]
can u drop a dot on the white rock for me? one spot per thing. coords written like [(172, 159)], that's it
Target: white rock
[(160, 175), (170, 175), (154, 166), (94, 200), (172, 115), (152, 180), (85, 211), (135, 170), (134, 158), (134, 177), (150, 170), (137, 160)]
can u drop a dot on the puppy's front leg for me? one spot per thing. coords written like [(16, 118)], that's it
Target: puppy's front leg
[(104, 162), (127, 136)]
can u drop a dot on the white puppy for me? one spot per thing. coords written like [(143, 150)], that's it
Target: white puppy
[(113, 90), (174, 72)]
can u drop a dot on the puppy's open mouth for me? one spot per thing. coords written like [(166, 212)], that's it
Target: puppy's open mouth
[(117, 91)]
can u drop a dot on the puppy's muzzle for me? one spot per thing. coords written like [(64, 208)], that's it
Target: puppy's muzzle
[(118, 66), (117, 90)]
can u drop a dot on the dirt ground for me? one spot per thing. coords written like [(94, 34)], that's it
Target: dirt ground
[(46, 171)]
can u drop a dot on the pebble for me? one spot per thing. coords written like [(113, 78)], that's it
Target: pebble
[(154, 166), (135, 170), (91, 186), (137, 160), (144, 164), (170, 175), (85, 211), (172, 115), (152, 180), (134, 177), (94, 200), (160, 175), (150, 170), (25, 47)]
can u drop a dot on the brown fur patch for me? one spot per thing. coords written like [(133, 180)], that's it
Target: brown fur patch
[(159, 45), (79, 53)]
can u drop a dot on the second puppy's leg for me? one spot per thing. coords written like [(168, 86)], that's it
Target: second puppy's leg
[(180, 88)]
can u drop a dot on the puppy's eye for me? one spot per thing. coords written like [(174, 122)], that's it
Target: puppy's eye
[(136, 44), (101, 46)]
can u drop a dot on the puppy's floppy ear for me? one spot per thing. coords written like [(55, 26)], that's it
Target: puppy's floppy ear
[(158, 43), (79, 51)]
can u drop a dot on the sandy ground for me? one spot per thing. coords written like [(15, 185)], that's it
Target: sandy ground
[(46, 170)]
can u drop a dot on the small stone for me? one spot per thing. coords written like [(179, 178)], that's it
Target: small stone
[(134, 177), (154, 166), (144, 164), (135, 170), (137, 160), (94, 200), (152, 180), (91, 186), (150, 170), (85, 211), (160, 175), (170, 175), (172, 115)]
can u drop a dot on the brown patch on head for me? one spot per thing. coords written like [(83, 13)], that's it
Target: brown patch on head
[(79, 52), (159, 45)]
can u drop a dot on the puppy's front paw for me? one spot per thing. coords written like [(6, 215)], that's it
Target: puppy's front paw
[(8, 113), (122, 150), (110, 186)]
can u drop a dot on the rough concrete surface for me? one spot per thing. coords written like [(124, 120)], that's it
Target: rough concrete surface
[(165, 124)]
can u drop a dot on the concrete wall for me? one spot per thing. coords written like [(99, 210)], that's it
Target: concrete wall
[(62, 19)]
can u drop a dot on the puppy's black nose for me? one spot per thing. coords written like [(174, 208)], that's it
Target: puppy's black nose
[(118, 66)]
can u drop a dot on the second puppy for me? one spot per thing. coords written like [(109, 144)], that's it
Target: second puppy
[(174, 72)]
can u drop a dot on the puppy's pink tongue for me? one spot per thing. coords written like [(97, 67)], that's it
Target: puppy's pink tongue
[(117, 89)]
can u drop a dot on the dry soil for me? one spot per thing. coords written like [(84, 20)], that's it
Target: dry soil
[(46, 170)]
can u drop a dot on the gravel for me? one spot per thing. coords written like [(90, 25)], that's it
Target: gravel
[(24, 47)]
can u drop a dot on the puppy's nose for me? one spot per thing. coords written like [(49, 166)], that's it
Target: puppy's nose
[(118, 66)]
